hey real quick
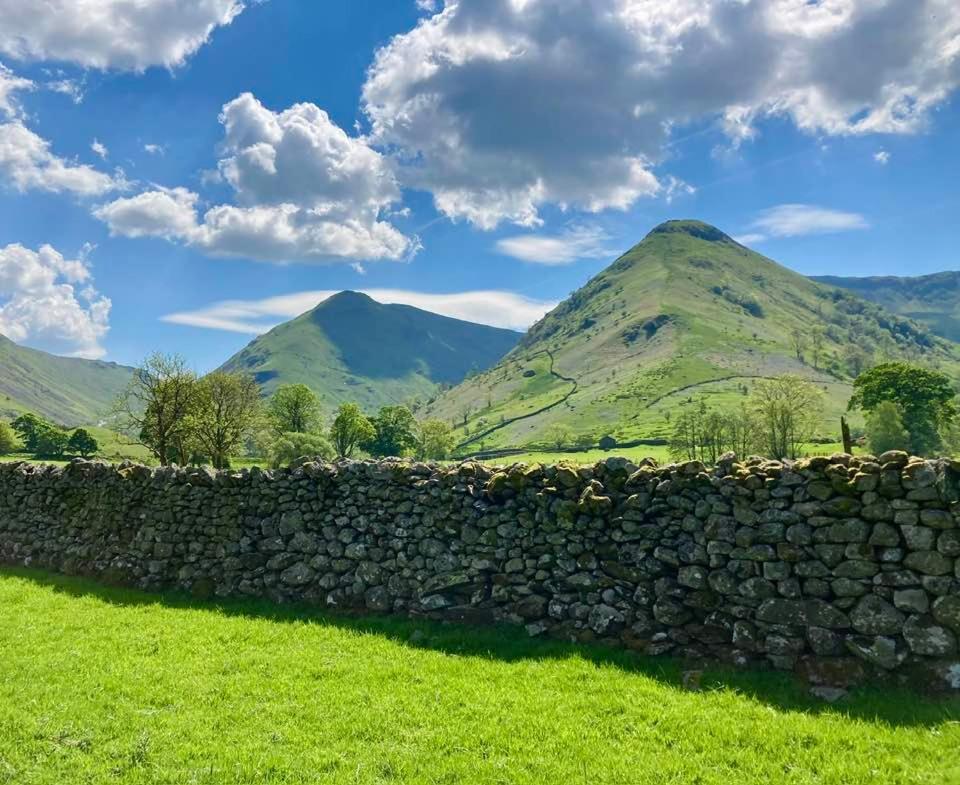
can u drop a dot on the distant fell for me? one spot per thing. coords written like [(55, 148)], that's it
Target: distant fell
[(686, 314), (67, 390), (933, 300), (352, 348)]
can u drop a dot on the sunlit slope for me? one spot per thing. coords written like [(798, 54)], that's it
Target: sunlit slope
[(687, 313), (352, 348), (67, 390)]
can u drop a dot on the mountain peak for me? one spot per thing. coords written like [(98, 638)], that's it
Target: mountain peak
[(698, 229), (349, 296)]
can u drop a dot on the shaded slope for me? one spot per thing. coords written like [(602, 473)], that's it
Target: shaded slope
[(686, 313), (932, 300), (67, 390), (352, 348)]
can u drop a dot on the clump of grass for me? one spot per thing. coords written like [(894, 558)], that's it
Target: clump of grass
[(108, 685)]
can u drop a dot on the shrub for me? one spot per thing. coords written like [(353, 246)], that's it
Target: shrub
[(8, 439), (290, 446)]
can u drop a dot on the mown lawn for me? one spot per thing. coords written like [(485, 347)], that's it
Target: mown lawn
[(111, 686)]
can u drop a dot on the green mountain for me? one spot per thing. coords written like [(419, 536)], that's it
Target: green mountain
[(352, 348), (687, 314), (66, 390), (932, 300)]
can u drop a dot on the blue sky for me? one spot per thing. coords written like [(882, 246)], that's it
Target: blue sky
[(483, 160)]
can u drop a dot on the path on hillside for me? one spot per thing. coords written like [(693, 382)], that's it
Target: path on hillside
[(686, 387), (553, 372)]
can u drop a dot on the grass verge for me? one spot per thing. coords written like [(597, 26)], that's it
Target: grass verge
[(103, 685)]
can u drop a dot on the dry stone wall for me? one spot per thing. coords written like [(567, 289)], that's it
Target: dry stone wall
[(841, 568)]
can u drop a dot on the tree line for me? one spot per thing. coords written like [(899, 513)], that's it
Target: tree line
[(44, 439), (906, 407), (184, 418)]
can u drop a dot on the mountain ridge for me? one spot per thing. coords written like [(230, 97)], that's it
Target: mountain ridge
[(68, 390), (350, 347), (687, 312)]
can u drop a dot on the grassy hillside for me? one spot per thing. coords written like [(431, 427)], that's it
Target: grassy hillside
[(352, 348), (67, 390), (932, 300), (686, 314), (104, 685)]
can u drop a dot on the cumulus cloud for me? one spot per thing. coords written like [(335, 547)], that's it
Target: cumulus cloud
[(498, 107), (794, 220), (26, 160), (578, 242), (305, 191), (253, 317), (100, 149), (49, 302), (154, 149), (27, 163), (882, 157), (111, 33), (166, 212)]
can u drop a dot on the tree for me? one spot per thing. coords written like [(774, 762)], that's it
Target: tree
[(8, 439), (787, 409), (225, 411), (856, 359), (885, 430), (51, 443), (799, 341), (290, 446), (434, 440), (924, 397), (817, 340), (82, 443), (295, 408), (349, 430), (559, 436), (395, 432), (156, 403), (29, 427), (743, 433)]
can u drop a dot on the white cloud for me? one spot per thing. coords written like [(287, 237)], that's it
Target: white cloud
[(794, 220), (167, 212), (27, 163), (498, 107), (154, 149), (100, 149), (751, 238), (305, 191), (68, 87), (111, 33), (495, 308), (578, 242), (10, 84), (48, 302), (882, 157)]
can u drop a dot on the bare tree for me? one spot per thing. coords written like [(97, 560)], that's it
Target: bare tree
[(817, 341), (788, 410), (799, 341), (154, 407)]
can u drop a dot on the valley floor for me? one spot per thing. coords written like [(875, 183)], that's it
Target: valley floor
[(104, 685)]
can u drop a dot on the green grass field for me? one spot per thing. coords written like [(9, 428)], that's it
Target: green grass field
[(111, 686)]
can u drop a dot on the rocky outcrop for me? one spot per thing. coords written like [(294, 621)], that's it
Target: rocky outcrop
[(840, 568)]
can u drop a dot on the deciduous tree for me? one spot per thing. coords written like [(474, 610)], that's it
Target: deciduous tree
[(295, 408), (885, 429), (924, 397), (349, 430), (434, 440), (788, 410), (154, 407), (82, 443), (225, 411), (395, 432)]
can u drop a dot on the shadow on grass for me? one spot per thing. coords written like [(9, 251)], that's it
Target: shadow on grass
[(879, 703)]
